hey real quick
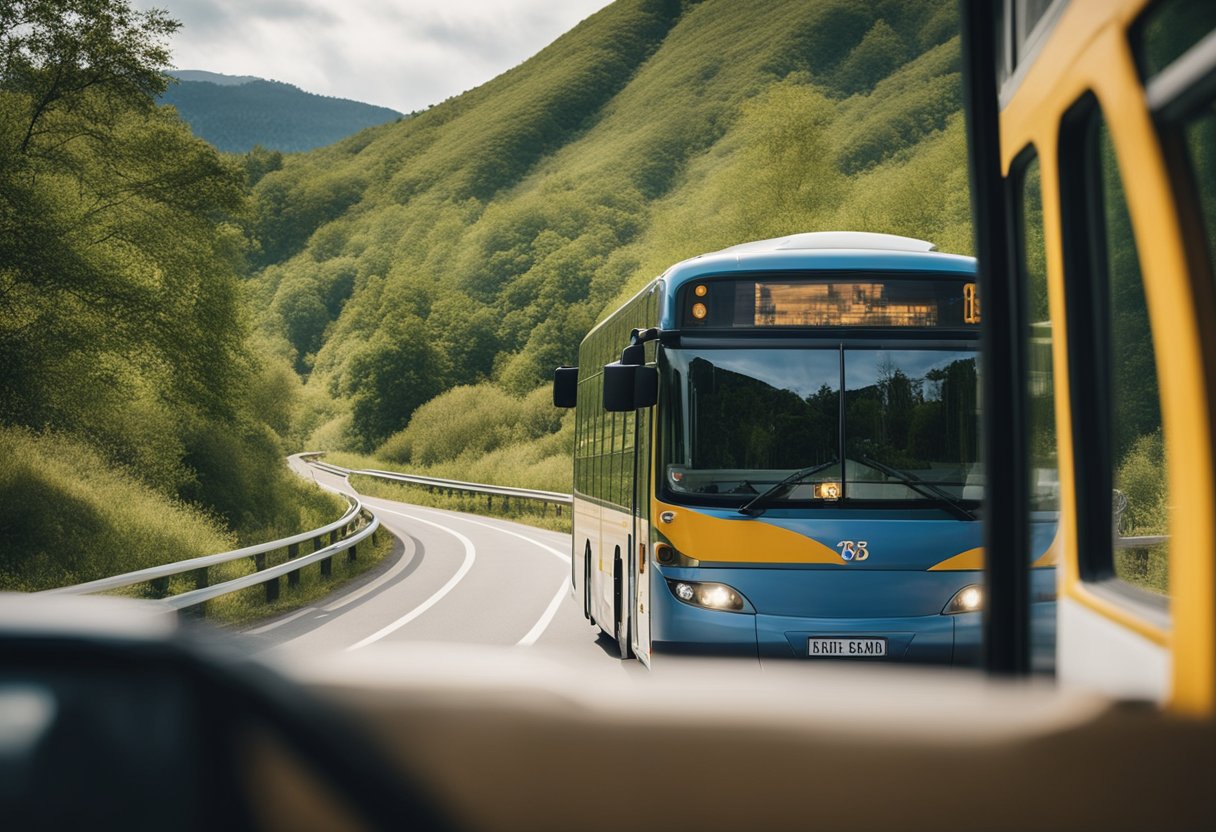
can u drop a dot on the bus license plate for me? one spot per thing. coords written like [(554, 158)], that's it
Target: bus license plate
[(847, 647)]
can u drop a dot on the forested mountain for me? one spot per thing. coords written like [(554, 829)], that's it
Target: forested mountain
[(476, 243), (236, 113)]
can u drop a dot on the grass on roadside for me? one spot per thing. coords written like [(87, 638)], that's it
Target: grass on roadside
[(1147, 567), (69, 516), (531, 512)]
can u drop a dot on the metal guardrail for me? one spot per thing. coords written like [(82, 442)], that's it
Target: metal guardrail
[(554, 498), (1142, 542), (344, 535)]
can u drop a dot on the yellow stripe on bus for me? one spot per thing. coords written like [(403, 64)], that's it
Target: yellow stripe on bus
[(742, 541)]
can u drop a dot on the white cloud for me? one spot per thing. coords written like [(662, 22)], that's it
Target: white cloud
[(404, 54)]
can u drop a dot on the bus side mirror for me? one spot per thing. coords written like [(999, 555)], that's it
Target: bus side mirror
[(628, 387), (634, 354), (646, 387), (565, 387), (618, 387)]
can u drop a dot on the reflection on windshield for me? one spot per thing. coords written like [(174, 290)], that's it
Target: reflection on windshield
[(737, 421), (914, 411), (744, 420)]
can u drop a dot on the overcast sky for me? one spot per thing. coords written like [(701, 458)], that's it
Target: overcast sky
[(404, 54)]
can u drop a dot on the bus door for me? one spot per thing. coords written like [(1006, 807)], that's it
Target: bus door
[(639, 569), (1106, 126)]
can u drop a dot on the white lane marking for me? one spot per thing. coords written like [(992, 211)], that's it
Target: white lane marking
[(540, 626), (267, 628), (470, 555), (565, 556), (399, 567), (546, 617)]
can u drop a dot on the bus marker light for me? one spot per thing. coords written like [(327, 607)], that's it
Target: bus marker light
[(667, 516), (701, 290), (699, 311), (827, 491)]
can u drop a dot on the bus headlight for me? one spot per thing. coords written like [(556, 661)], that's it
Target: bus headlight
[(713, 596), (968, 599)]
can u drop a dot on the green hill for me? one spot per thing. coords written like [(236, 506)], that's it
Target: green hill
[(477, 242), (237, 113)]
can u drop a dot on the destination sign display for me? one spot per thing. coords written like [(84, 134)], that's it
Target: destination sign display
[(879, 301)]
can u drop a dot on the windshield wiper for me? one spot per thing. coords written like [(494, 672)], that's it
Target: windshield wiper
[(927, 489), (754, 507)]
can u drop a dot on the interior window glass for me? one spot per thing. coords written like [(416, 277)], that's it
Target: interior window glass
[(1168, 29), (1139, 505), (1200, 137), (1041, 425)]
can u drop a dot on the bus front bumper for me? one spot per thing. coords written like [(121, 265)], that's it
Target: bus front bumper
[(682, 629), (930, 639)]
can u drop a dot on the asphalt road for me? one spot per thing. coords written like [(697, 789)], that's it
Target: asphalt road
[(451, 578)]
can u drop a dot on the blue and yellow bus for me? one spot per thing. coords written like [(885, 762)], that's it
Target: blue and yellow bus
[(778, 455)]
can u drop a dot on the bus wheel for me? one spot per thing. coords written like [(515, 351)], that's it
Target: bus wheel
[(621, 613)]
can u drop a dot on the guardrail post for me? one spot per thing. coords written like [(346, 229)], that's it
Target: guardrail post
[(327, 565), (200, 582), (159, 586), (489, 501), (293, 578), (506, 503), (272, 586), (351, 553), (558, 506), (197, 611)]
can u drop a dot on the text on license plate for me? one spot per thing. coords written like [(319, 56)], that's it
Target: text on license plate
[(848, 647)]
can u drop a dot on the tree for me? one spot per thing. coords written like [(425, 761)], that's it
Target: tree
[(390, 377), (90, 57)]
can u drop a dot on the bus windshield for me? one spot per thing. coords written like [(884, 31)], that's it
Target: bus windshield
[(738, 421)]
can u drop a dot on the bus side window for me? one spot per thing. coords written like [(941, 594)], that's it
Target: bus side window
[(1117, 430)]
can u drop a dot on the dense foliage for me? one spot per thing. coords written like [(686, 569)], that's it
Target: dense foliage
[(123, 341), (238, 117), (479, 241)]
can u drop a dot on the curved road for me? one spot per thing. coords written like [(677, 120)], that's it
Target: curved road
[(451, 577)]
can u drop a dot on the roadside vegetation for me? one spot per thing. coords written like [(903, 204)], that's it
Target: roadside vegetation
[(142, 418)]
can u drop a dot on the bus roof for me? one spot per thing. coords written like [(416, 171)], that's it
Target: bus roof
[(826, 250), (864, 240), (810, 251)]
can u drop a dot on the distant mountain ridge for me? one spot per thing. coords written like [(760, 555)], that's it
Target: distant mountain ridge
[(213, 77), (237, 112)]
